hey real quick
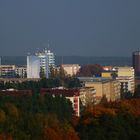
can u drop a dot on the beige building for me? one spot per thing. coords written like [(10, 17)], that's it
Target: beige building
[(126, 77), (105, 87), (71, 69), (7, 71), (88, 96), (106, 74), (125, 71), (114, 90), (127, 84), (12, 71)]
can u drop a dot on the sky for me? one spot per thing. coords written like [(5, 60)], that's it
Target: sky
[(73, 27)]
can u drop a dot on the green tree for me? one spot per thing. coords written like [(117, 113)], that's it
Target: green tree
[(62, 73), (42, 73)]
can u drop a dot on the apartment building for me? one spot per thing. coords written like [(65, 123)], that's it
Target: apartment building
[(125, 71), (109, 88), (21, 71), (127, 84), (126, 77), (7, 71)]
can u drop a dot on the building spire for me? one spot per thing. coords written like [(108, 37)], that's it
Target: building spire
[(48, 47)]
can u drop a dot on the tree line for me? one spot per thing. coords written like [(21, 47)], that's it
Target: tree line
[(50, 118), (36, 118), (35, 86)]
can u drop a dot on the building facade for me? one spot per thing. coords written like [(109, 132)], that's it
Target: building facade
[(110, 88), (125, 71), (33, 67), (71, 69), (107, 74), (44, 67), (51, 58), (87, 96), (47, 60), (127, 84), (136, 63), (7, 71), (21, 71), (126, 77)]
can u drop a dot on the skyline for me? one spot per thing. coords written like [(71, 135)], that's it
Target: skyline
[(76, 27)]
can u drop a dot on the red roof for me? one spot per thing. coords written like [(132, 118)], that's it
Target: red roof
[(63, 92), (16, 93)]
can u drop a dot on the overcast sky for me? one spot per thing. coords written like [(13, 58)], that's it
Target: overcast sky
[(73, 27)]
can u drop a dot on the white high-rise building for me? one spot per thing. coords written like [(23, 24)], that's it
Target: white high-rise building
[(46, 60), (51, 58), (44, 64), (33, 67)]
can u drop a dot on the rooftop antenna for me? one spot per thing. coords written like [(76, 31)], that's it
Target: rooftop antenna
[(62, 60), (48, 45)]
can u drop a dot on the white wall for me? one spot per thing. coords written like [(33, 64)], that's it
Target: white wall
[(33, 67)]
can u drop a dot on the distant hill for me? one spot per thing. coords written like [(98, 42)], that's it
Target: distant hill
[(82, 60)]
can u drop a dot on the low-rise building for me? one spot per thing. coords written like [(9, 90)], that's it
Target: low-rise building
[(107, 74), (7, 71), (71, 69)]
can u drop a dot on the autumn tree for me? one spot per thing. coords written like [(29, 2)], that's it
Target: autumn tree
[(111, 121), (90, 70)]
